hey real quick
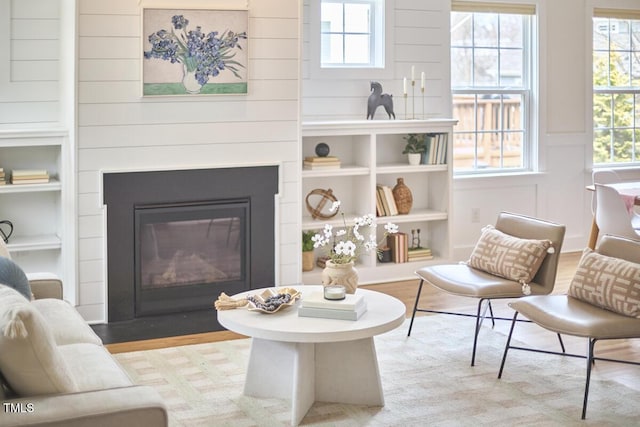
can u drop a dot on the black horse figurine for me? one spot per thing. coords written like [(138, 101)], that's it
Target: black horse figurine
[(376, 99)]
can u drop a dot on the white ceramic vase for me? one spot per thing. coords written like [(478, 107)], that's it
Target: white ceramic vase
[(414, 158)]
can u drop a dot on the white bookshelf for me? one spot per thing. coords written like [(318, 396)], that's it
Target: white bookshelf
[(42, 214), (370, 152)]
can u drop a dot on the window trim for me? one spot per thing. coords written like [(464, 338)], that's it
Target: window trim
[(617, 14), (528, 91), (316, 70)]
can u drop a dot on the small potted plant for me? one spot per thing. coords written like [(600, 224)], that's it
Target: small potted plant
[(307, 250), (415, 147)]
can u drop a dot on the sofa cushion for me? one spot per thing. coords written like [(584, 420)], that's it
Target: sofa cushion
[(12, 275), (29, 358), (508, 256), (66, 324), (93, 367), (607, 282)]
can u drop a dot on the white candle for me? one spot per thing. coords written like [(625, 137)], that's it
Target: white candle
[(422, 80), (413, 73), (334, 292), (404, 85)]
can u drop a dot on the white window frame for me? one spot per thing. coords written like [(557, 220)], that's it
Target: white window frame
[(528, 91), (383, 47), (634, 91)]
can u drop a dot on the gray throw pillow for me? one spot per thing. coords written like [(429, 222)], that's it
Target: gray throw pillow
[(12, 275)]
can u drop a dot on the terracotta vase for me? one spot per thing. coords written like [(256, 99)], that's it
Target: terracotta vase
[(403, 197), (341, 274)]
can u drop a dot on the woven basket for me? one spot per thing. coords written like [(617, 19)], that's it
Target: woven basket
[(403, 197)]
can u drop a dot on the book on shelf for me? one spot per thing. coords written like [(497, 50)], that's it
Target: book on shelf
[(30, 181), (387, 201), (399, 244), (328, 313), (436, 149), (327, 159), (419, 254), (316, 300), (29, 173), (315, 166), (329, 162)]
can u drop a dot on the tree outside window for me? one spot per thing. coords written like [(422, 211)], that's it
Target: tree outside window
[(616, 87)]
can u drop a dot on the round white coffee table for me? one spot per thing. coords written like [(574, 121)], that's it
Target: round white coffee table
[(309, 359)]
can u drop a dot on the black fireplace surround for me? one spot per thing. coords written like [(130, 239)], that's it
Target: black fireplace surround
[(125, 193)]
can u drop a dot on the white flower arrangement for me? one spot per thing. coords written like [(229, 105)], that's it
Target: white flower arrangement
[(347, 244)]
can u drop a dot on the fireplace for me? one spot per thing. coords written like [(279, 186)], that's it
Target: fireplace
[(177, 239)]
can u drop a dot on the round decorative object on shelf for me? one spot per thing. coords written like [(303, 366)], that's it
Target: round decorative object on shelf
[(322, 150), (403, 197), (318, 205)]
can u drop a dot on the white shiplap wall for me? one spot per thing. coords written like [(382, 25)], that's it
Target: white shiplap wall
[(120, 131), (29, 48), (420, 37)]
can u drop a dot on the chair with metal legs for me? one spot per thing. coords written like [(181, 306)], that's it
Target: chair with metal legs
[(573, 315), (464, 280)]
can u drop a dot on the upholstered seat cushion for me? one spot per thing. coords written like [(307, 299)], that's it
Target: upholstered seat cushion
[(93, 368), (508, 256), (29, 358), (607, 282), (567, 315), (461, 279), (66, 324)]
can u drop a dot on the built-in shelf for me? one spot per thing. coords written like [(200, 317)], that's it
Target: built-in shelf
[(52, 185), (42, 214), (34, 243), (370, 152)]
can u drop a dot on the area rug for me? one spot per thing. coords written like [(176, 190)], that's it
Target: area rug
[(426, 378)]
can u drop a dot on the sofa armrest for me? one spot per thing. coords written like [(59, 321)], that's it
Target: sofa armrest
[(116, 407), (45, 285)]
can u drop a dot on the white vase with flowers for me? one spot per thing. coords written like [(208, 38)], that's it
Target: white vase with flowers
[(344, 246)]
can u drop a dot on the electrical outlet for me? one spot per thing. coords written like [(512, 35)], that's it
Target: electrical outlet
[(475, 215)]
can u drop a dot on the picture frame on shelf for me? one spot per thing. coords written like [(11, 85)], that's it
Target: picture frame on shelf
[(194, 51)]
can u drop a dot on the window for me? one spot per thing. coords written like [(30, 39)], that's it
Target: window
[(491, 82), (352, 33), (616, 87)]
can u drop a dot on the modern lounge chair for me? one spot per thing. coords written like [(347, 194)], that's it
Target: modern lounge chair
[(507, 250), (601, 303)]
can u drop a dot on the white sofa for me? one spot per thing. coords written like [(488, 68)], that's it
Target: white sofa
[(56, 372)]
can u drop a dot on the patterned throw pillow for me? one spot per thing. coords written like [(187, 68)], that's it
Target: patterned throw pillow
[(606, 282), (507, 256)]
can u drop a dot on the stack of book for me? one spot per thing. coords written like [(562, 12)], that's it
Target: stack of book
[(420, 254), (3, 178), (399, 245), (350, 308), (385, 203), (436, 153), (328, 162), (29, 176)]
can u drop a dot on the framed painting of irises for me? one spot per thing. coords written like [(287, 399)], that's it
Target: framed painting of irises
[(194, 52)]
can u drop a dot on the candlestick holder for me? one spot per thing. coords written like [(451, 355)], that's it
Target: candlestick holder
[(413, 99), (406, 111)]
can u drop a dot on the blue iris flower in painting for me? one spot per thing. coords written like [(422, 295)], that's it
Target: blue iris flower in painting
[(206, 54)]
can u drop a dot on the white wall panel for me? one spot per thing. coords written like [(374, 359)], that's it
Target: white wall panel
[(120, 130)]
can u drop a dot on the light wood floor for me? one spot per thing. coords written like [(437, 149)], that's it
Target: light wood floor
[(432, 298)]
